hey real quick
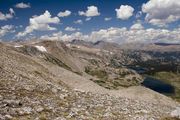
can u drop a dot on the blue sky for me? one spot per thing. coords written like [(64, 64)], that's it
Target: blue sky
[(20, 19)]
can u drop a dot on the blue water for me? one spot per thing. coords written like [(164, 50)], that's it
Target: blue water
[(158, 85)]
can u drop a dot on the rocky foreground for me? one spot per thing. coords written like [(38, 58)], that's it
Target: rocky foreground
[(30, 89)]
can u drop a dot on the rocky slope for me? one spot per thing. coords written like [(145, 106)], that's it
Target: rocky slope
[(47, 80)]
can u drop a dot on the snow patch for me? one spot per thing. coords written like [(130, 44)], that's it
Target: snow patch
[(41, 48), (18, 46)]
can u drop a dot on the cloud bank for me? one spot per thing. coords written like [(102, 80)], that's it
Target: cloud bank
[(122, 35)]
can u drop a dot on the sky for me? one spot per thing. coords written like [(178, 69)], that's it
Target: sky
[(118, 21)]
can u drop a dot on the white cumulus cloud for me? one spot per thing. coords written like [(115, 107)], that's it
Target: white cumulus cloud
[(137, 26), (70, 29), (161, 12), (90, 12), (40, 23), (107, 18), (124, 12), (64, 14), (11, 11), (88, 19), (78, 22), (8, 15), (23, 5), (6, 29)]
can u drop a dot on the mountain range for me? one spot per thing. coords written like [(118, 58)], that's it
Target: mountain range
[(84, 80)]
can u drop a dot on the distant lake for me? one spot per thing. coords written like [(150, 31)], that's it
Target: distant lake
[(158, 86)]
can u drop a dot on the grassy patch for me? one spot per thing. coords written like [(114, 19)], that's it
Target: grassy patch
[(102, 74), (100, 81), (94, 62), (170, 118), (111, 83), (123, 73), (56, 61), (38, 73), (79, 73)]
